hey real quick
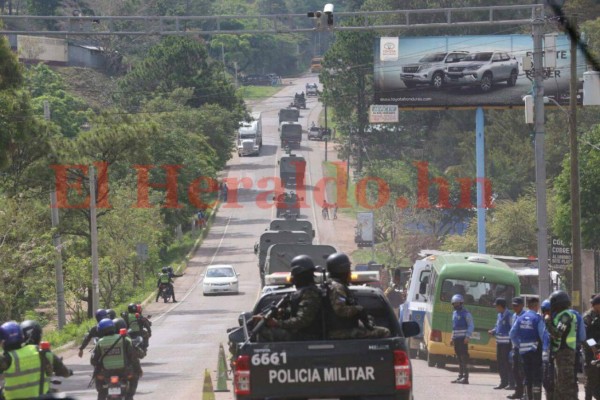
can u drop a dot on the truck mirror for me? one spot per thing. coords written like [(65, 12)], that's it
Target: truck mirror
[(410, 329)]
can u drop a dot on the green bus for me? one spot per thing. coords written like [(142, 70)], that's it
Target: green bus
[(480, 279)]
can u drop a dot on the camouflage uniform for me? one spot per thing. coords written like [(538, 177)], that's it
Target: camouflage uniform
[(304, 318), (562, 330), (591, 319), (346, 313)]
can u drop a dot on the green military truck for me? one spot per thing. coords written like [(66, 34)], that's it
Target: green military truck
[(289, 115), (269, 238), (292, 225), (291, 170), (290, 134), (279, 256)]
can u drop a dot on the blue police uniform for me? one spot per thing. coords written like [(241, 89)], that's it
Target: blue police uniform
[(527, 334), (462, 328), (502, 333)]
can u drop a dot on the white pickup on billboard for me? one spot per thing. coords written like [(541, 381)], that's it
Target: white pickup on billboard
[(383, 114), (468, 71), (365, 229)]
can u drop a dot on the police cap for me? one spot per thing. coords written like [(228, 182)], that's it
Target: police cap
[(302, 264), (500, 301), (518, 301)]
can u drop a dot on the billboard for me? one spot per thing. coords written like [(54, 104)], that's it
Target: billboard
[(467, 71), (380, 114), (365, 232)]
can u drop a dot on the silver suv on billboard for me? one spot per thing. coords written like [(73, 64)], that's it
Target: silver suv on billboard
[(430, 69), (484, 69)]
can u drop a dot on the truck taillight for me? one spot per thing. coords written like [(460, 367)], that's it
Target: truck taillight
[(241, 376), (402, 370), (435, 335)]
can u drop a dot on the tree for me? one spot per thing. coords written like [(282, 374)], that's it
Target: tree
[(12, 106), (42, 7)]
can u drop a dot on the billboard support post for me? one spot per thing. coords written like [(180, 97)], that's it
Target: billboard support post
[(481, 195), (540, 162)]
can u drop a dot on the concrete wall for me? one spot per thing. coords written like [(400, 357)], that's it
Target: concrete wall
[(43, 49), (84, 57)]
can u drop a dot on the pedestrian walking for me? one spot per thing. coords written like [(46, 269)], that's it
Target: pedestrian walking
[(562, 327), (517, 305), (501, 332), (527, 333), (224, 192), (462, 329), (335, 209), (325, 211)]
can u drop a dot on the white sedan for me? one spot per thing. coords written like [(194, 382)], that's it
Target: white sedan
[(220, 279)]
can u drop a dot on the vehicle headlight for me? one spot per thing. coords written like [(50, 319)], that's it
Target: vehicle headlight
[(473, 67), (424, 66)]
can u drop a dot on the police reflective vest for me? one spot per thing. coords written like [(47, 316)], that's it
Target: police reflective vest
[(503, 326), (133, 323), (527, 325), (22, 378), (114, 358), (460, 324), (569, 340), (164, 278)]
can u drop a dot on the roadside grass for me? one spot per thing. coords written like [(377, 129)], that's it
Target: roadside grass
[(255, 93), (330, 171), (177, 255), (380, 256)]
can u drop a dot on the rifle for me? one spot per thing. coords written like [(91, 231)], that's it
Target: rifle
[(268, 313)]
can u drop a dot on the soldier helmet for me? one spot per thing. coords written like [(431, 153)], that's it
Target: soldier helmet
[(559, 301), (457, 298), (119, 324), (106, 327), (132, 308), (338, 263), (545, 305), (32, 331), (301, 264), (110, 313)]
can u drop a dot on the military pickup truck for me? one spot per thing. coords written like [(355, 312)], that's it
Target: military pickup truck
[(288, 205), (269, 238), (291, 170), (361, 369), (292, 225)]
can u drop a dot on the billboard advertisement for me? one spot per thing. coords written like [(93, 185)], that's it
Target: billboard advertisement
[(365, 229), (468, 71)]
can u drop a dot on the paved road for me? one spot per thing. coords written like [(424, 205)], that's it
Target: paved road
[(186, 335)]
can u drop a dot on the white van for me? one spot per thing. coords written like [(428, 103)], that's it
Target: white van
[(249, 138)]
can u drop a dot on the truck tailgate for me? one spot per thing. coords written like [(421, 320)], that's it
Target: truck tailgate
[(322, 369)]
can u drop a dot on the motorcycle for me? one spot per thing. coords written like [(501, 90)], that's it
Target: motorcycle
[(165, 292), (138, 344), (117, 387)]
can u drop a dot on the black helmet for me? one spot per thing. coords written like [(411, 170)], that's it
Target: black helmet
[(106, 327), (559, 301), (119, 324), (165, 270), (338, 263), (110, 313), (132, 308), (302, 264), (32, 331)]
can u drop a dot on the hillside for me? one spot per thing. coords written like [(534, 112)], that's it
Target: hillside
[(95, 87)]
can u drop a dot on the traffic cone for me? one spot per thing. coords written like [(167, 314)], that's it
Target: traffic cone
[(207, 390), (222, 371)]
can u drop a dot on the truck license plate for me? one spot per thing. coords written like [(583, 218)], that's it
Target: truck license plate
[(114, 391)]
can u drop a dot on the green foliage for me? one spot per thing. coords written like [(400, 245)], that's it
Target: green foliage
[(256, 93), (589, 175), (42, 7)]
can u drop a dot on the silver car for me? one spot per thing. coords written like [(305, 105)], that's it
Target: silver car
[(484, 69), (429, 70)]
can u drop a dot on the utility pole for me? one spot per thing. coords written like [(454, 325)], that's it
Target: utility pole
[(574, 155), (94, 240), (540, 162), (58, 268), (326, 134)]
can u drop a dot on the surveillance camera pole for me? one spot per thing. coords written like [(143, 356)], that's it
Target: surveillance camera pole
[(540, 162)]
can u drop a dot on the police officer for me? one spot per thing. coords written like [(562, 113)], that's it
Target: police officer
[(114, 354), (26, 367), (344, 312), (527, 333), (591, 319), (562, 327), (93, 332), (518, 305), (547, 357), (462, 329), (302, 317), (501, 332), (164, 278), (32, 332), (132, 318), (146, 326), (395, 293)]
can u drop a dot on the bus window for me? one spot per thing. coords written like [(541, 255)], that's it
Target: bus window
[(476, 293)]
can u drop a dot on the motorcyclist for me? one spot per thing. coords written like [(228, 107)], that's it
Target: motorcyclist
[(114, 355), (146, 326), (27, 367), (110, 313), (134, 324), (93, 332), (32, 331), (164, 278)]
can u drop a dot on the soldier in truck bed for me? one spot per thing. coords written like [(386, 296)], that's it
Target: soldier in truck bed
[(302, 317), (343, 317)]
